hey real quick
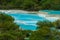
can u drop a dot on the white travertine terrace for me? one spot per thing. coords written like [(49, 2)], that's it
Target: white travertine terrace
[(26, 22), (47, 16), (17, 11), (40, 13)]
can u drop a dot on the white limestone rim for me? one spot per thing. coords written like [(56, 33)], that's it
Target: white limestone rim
[(22, 11), (39, 13), (17, 11)]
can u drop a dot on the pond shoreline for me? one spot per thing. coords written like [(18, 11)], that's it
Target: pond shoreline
[(23, 11), (29, 12)]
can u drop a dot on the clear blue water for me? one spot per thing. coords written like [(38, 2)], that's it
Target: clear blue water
[(28, 21), (52, 11)]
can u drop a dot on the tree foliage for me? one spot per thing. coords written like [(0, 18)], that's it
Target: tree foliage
[(32, 5), (46, 31), (9, 30)]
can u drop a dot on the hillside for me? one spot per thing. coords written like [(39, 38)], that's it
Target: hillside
[(30, 5)]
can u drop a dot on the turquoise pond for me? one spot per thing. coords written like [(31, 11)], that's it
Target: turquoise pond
[(28, 21), (52, 11)]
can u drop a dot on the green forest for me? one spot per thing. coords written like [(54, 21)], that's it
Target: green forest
[(30, 5), (46, 30)]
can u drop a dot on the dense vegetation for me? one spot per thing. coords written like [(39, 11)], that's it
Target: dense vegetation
[(10, 30), (46, 30), (32, 5)]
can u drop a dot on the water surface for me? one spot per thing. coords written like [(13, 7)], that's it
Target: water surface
[(28, 21)]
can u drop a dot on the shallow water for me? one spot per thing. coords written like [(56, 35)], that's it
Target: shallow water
[(52, 11), (28, 21)]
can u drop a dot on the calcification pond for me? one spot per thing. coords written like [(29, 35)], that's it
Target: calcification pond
[(27, 21)]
